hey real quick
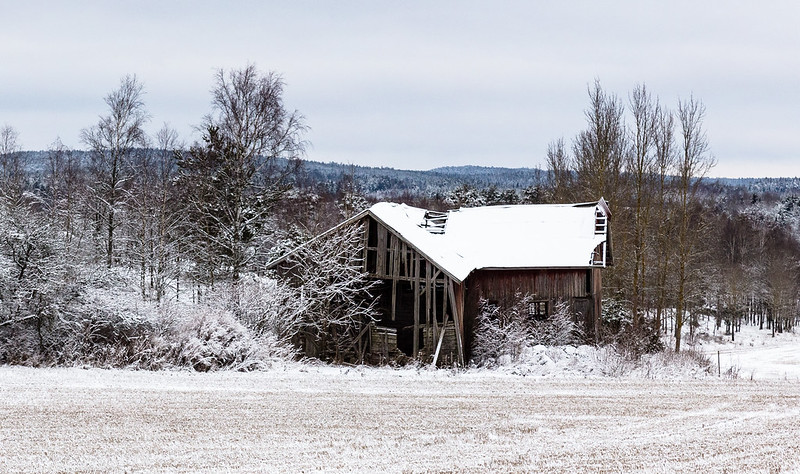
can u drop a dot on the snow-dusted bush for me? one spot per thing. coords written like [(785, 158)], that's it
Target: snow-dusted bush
[(504, 333), (500, 333), (558, 329), (616, 313), (111, 327), (668, 363), (266, 306), (205, 339), (105, 323), (618, 330)]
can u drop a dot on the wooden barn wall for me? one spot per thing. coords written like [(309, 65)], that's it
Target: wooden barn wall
[(597, 297), (501, 285), (580, 287)]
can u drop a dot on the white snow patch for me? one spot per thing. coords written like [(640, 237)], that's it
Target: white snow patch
[(754, 354)]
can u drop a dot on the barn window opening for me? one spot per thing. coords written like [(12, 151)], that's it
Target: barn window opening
[(538, 310), (600, 222)]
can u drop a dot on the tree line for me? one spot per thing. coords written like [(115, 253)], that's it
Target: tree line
[(683, 248), (141, 222)]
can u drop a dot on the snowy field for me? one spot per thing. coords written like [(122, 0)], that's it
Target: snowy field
[(325, 419), (754, 354)]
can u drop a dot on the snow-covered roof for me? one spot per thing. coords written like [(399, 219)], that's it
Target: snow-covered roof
[(501, 237)]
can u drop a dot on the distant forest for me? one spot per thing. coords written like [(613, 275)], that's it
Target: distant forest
[(383, 183)]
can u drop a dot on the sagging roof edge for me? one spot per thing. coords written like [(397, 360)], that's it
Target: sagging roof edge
[(427, 257), (333, 229), (356, 218)]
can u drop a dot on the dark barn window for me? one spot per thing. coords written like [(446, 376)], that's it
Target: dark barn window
[(538, 310)]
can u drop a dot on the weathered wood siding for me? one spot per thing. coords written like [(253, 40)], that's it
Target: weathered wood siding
[(501, 285), (579, 287)]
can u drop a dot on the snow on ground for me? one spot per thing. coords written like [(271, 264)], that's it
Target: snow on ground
[(301, 418), (555, 409), (754, 354)]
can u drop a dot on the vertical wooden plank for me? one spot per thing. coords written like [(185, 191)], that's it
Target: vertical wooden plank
[(416, 304), (394, 299), (457, 303), (444, 299), (427, 304), (380, 264), (365, 244), (395, 258), (597, 299), (435, 333), (404, 258), (440, 339), (459, 290), (396, 246)]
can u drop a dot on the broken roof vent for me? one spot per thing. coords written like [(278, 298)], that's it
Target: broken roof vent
[(434, 222)]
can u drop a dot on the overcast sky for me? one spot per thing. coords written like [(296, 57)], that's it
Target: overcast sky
[(416, 84)]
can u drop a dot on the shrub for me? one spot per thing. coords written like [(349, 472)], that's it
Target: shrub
[(206, 340), (505, 332)]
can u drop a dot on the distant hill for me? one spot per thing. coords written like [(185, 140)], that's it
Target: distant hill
[(387, 182), (383, 182)]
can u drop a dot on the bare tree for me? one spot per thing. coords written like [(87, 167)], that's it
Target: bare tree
[(252, 144), (693, 164), (11, 167), (65, 182), (599, 151), (641, 167), (558, 164), (156, 215), (249, 112), (664, 167), (112, 141)]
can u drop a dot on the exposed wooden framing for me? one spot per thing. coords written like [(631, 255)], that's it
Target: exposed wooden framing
[(396, 246), (458, 317), (358, 338), (416, 304), (435, 333), (427, 300), (380, 262), (444, 300), (441, 338)]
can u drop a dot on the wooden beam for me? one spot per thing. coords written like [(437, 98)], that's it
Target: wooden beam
[(458, 318), (416, 305), (395, 257), (396, 244), (380, 262), (427, 303), (394, 299), (435, 333), (439, 344)]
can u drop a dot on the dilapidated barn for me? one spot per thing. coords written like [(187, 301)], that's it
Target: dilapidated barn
[(434, 268)]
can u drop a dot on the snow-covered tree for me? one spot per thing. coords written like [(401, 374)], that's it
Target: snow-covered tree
[(334, 291), (113, 141), (252, 143)]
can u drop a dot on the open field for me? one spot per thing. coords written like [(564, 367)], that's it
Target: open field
[(331, 419)]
